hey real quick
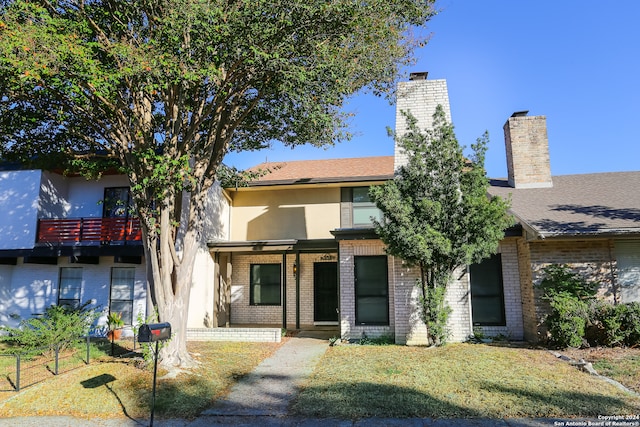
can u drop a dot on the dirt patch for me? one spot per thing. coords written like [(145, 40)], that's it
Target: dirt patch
[(594, 354)]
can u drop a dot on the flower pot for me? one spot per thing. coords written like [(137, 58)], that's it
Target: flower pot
[(114, 334)]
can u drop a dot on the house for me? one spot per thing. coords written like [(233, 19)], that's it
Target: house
[(302, 253), (69, 240), (590, 222), (295, 249)]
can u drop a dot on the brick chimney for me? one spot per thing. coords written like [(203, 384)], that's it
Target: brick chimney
[(420, 97), (527, 149)]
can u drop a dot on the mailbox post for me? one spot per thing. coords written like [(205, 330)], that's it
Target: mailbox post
[(154, 333)]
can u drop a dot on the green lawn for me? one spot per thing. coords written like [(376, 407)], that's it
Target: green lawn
[(117, 388), (351, 381), (458, 380)]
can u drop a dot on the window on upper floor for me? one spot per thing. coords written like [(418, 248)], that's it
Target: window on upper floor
[(116, 203), (487, 294), (357, 209), (70, 287), (265, 284)]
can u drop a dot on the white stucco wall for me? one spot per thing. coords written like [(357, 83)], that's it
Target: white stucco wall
[(19, 195), (28, 289), (85, 196)]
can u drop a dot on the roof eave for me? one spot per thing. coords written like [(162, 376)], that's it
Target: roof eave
[(311, 181)]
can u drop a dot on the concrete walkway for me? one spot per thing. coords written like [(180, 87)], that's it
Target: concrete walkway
[(269, 389)]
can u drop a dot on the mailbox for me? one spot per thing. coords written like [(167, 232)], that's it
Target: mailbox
[(154, 332)]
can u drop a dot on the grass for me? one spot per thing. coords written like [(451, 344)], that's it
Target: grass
[(458, 380), (108, 389), (350, 382), (625, 370)]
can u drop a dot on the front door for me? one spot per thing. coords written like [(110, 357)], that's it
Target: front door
[(325, 291)]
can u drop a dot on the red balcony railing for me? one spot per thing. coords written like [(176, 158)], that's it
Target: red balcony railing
[(71, 230)]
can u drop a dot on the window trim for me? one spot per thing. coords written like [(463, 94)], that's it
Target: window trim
[(252, 285)]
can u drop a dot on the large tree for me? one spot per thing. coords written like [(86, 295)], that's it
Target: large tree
[(163, 89), (438, 215)]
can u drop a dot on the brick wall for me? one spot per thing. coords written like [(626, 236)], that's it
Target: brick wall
[(241, 311), (593, 259), (420, 97), (405, 323), (346, 268), (244, 313), (235, 334), (527, 149)]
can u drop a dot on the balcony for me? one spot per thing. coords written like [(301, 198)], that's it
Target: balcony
[(85, 230)]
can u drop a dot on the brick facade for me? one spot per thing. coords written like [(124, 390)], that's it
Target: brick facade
[(405, 323), (420, 97), (527, 151), (592, 258), (513, 309), (242, 312)]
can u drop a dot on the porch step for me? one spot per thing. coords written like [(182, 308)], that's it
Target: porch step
[(235, 334)]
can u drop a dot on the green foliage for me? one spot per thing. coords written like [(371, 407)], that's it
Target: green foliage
[(114, 321), (381, 340), (558, 279), (437, 215), (576, 318), (436, 314), (58, 326), (614, 325), (567, 321)]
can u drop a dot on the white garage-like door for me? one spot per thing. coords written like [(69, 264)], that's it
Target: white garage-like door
[(628, 257)]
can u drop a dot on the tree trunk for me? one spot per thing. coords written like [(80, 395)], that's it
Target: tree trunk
[(170, 279)]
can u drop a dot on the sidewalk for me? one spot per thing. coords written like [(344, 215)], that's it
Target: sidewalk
[(269, 389)]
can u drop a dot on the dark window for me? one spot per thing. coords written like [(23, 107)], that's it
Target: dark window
[(372, 290), (487, 295), (265, 284), (363, 208), (70, 287), (122, 286), (116, 203)]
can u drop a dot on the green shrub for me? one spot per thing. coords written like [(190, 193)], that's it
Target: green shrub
[(58, 326), (558, 279), (567, 321), (568, 295), (614, 325), (381, 340), (630, 323)]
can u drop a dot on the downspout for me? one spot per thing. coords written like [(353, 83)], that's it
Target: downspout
[(297, 276), (217, 288), (284, 290)]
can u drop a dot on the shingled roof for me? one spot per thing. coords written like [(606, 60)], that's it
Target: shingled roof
[(578, 205), (325, 171)]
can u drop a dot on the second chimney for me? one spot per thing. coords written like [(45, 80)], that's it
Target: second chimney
[(527, 149)]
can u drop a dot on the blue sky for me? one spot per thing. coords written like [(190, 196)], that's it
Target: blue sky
[(575, 62)]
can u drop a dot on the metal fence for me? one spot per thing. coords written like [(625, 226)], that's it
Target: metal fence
[(22, 368)]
